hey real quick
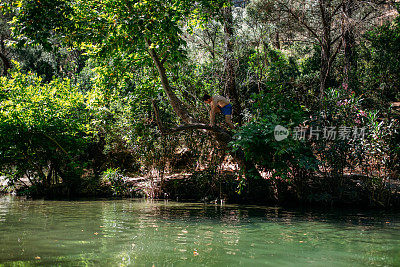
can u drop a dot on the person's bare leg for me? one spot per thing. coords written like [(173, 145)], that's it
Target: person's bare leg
[(228, 120)]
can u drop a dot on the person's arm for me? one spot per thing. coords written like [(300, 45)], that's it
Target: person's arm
[(212, 117), (212, 113)]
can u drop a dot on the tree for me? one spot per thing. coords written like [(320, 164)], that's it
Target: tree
[(140, 30), (348, 39), (42, 131), (230, 63), (5, 35), (380, 71)]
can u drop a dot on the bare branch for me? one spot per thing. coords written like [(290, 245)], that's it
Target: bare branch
[(164, 58), (336, 39), (336, 52), (290, 11), (334, 13)]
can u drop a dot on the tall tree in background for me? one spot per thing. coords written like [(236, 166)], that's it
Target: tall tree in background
[(350, 62), (230, 63), (330, 24), (357, 17), (5, 32)]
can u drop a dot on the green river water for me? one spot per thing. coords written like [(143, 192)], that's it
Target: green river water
[(166, 233)]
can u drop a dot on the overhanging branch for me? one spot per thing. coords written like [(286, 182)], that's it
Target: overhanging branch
[(223, 134)]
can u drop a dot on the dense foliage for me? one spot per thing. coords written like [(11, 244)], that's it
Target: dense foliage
[(43, 127), (85, 85)]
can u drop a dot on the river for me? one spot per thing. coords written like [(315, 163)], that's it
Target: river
[(165, 233)]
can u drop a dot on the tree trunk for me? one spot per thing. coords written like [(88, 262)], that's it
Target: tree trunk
[(325, 47), (350, 63), (4, 59), (277, 42), (6, 64), (325, 69), (49, 175), (230, 64)]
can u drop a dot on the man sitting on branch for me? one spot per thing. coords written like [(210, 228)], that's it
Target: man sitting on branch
[(219, 104)]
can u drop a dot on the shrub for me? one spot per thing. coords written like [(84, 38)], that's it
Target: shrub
[(117, 181), (368, 152), (42, 130), (380, 65), (258, 141)]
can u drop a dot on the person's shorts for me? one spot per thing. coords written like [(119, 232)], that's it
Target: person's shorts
[(226, 110)]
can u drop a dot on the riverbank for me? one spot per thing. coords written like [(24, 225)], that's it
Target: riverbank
[(207, 187)]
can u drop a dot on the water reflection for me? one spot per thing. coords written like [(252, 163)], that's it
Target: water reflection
[(131, 232)]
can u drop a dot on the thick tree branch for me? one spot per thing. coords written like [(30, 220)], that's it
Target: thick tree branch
[(223, 135), (177, 105)]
